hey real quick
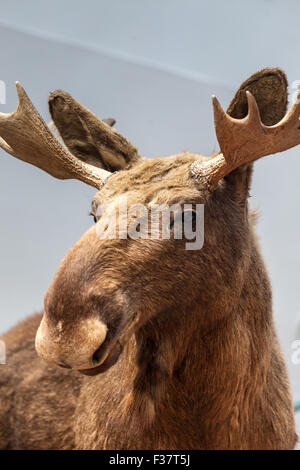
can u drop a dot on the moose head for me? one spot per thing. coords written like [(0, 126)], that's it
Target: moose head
[(107, 290)]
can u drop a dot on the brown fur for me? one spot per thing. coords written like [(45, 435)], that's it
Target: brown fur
[(201, 367), (87, 137)]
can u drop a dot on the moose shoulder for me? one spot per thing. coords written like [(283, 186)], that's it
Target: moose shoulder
[(144, 344)]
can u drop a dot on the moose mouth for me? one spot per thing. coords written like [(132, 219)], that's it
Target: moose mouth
[(110, 360)]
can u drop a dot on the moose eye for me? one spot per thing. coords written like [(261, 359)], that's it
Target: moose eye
[(186, 217)]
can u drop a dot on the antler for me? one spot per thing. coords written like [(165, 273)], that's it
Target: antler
[(245, 140), (25, 135)]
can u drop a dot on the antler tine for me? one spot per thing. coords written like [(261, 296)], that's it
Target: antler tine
[(231, 131), (253, 111), (246, 140), (25, 135)]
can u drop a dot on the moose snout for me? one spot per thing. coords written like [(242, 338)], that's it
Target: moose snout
[(78, 347)]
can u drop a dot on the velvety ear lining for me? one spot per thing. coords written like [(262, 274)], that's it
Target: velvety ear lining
[(269, 88), (87, 137), (73, 133)]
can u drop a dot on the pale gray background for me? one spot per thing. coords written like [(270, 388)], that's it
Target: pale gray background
[(153, 65)]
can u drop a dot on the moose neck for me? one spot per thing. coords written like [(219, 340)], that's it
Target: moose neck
[(207, 375)]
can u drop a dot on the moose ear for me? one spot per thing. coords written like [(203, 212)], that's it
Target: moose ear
[(269, 88), (110, 121), (87, 137)]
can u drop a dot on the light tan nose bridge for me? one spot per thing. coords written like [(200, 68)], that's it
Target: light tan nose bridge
[(75, 349)]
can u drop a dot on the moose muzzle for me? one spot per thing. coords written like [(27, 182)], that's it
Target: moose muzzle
[(77, 349)]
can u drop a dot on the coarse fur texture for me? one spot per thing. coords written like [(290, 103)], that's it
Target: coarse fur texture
[(200, 366)]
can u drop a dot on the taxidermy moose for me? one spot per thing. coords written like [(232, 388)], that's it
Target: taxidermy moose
[(143, 344)]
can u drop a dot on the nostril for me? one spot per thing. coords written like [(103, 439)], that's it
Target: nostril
[(64, 365), (98, 354)]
